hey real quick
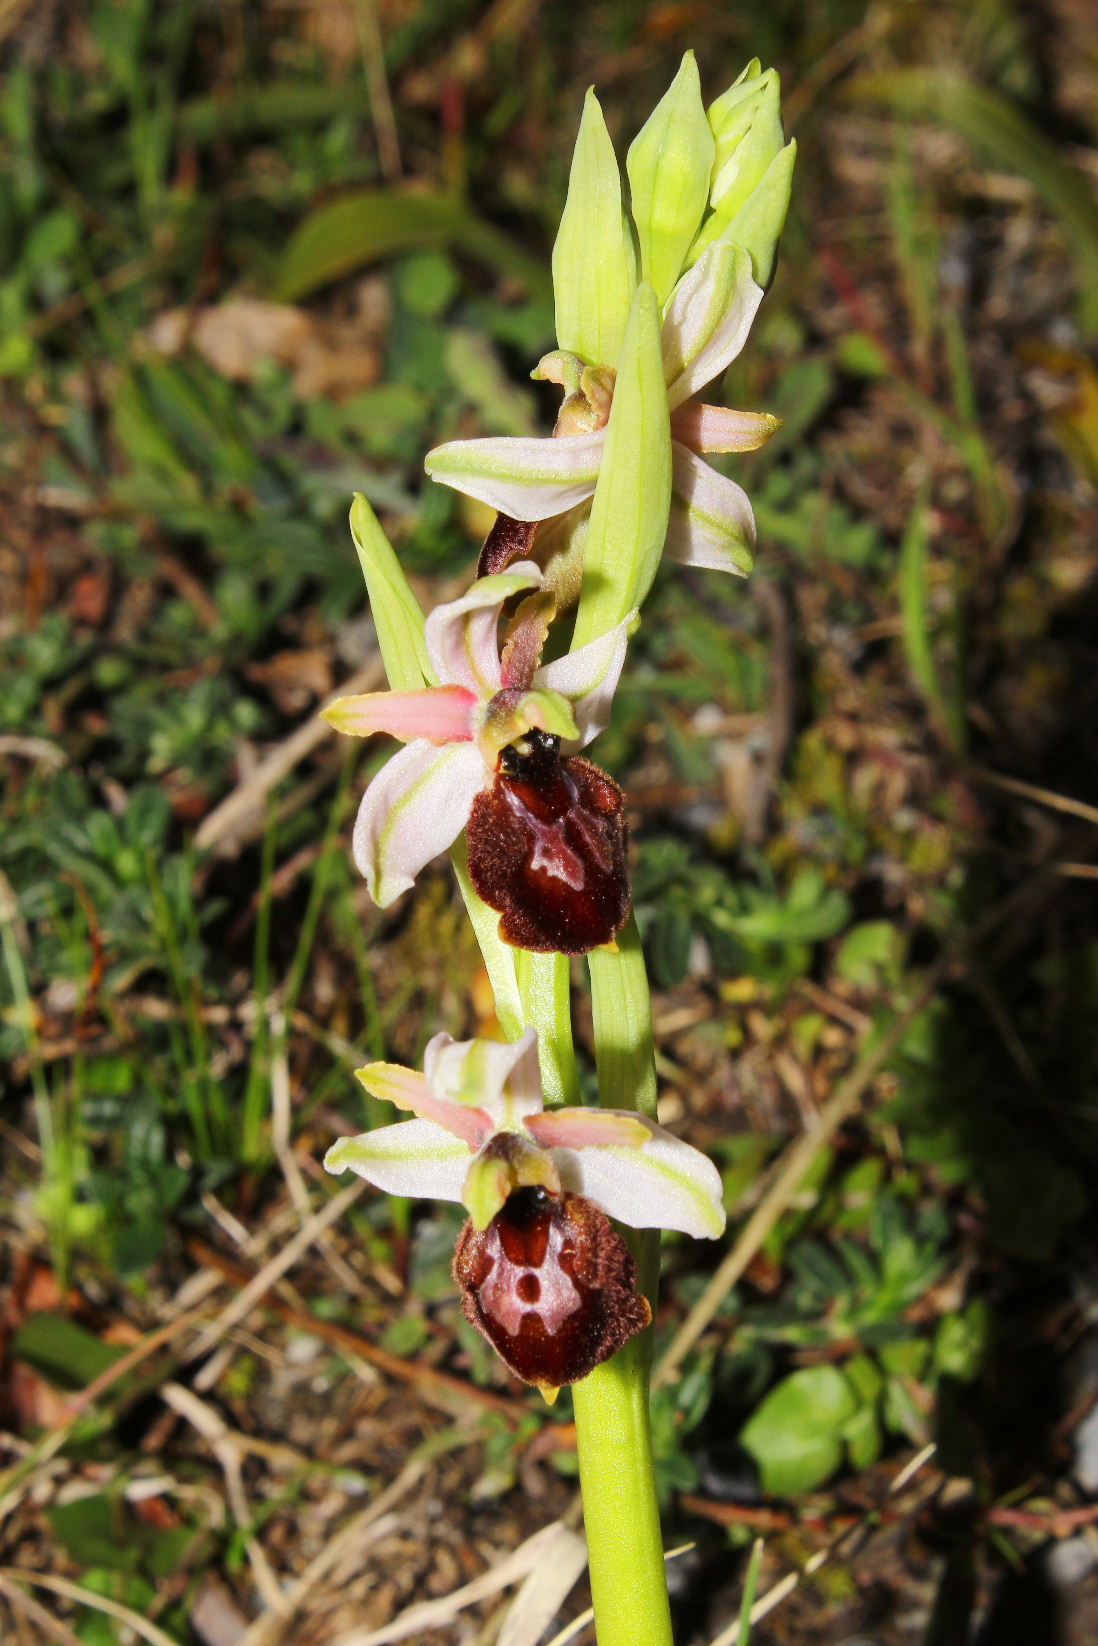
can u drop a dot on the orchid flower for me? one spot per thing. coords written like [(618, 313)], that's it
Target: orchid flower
[(495, 723), (544, 1274), (705, 325)]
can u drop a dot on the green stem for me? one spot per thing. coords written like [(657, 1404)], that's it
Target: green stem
[(499, 957), (625, 1549), (544, 982), (620, 1511)]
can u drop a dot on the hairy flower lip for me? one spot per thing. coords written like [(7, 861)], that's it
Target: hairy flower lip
[(548, 850), (552, 1285)]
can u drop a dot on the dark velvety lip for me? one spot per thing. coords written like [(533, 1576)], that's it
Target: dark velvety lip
[(552, 1286), (548, 850)]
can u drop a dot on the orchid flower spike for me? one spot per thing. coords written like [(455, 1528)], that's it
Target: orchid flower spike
[(543, 1272), (705, 325), (546, 833)]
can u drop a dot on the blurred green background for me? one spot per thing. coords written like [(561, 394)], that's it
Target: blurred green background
[(256, 256)]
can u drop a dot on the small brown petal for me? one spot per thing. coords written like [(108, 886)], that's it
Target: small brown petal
[(552, 1285), (547, 849), (507, 541)]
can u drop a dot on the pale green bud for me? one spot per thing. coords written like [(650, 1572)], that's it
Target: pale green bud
[(745, 149), (398, 616), (670, 162), (594, 264), (752, 170), (758, 224)]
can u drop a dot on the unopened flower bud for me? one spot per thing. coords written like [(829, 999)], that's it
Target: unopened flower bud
[(669, 165), (752, 169)]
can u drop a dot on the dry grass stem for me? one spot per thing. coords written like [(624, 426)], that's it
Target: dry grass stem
[(99, 1603)]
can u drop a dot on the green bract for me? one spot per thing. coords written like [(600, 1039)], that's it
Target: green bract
[(397, 615), (633, 495), (594, 264), (669, 165)]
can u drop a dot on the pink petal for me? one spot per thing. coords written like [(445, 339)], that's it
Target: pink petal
[(581, 1128), (440, 714), (720, 429), (711, 522), (409, 1090), (527, 478), (708, 319), (416, 807), (526, 635), (462, 635)]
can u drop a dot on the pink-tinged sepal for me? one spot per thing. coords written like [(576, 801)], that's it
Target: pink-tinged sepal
[(439, 714), (587, 1128), (408, 1090)]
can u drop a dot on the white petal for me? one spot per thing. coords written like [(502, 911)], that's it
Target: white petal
[(416, 807), (589, 677), (665, 1184), (501, 1077), (711, 522), (527, 478), (462, 638), (708, 319), (414, 1157)]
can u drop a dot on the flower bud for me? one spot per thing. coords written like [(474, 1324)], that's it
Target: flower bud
[(669, 164), (752, 169)]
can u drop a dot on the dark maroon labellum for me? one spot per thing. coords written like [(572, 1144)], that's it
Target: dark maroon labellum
[(547, 849), (551, 1284)]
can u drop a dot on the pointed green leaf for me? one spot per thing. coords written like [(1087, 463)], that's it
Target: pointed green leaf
[(545, 986), (628, 523), (669, 164), (397, 614), (594, 265)]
